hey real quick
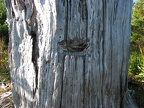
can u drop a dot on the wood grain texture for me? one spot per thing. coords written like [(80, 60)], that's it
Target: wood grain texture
[(46, 76)]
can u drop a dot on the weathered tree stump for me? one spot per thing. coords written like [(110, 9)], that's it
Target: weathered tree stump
[(69, 53)]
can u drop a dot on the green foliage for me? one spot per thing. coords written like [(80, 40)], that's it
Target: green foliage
[(2, 12), (4, 69), (136, 63), (4, 74), (137, 39), (3, 25)]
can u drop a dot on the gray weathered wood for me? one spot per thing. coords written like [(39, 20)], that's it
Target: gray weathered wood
[(69, 53)]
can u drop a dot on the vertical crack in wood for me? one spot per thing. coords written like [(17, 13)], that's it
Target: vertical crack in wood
[(121, 94), (103, 47), (62, 76), (86, 15), (84, 74), (35, 56), (122, 87), (66, 21)]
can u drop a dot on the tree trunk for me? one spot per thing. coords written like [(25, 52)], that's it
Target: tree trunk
[(69, 53)]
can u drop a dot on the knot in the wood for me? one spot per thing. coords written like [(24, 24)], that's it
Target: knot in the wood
[(75, 45)]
